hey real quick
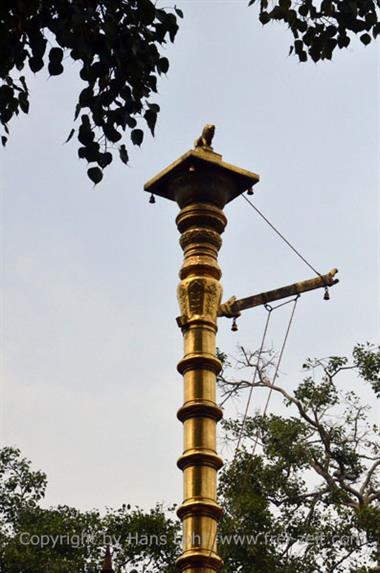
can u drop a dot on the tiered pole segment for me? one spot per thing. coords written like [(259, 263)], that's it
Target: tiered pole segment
[(201, 183)]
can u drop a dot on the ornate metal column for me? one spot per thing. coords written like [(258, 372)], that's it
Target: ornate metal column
[(201, 183)]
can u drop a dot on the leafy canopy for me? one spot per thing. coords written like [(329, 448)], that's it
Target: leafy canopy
[(319, 27), (304, 490), (117, 44), (64, 539), (306, 499)]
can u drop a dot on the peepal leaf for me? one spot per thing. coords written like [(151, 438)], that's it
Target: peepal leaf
[(70, 135), (123, 154), (95, 174), (137, 136)]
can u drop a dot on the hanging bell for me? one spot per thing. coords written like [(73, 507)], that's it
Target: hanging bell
[(234, 326), (152, 199), (250, 191), (326, 296)]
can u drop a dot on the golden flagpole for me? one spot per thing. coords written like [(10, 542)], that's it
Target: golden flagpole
[(201, 183)]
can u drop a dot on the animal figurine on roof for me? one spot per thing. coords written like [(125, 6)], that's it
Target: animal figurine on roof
[(205, 139)]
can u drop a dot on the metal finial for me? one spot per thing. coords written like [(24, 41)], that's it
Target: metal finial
[(205, 139)]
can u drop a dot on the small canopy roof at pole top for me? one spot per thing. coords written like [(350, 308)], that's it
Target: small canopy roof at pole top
[(201, 159)]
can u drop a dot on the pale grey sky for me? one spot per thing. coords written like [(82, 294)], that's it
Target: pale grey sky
[(89, 382)]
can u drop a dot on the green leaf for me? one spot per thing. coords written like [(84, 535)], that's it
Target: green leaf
[(70, 135), (154, 107), (123, 154), (131, 122), (36, 64), (85, 134), (301, 25), (302, 56), (178, 12), (85, 97), (264, 18), (163, 65), (303, 10), (298, 46), (23, 83), (137, 136), (315, 54), (91, 152), (55, 68), (365, 39), (151, 118), (95, 174), (77, 111), (331, 31), (147, 11), (56, 55), (111, 133), (104, 159), (23, 101)]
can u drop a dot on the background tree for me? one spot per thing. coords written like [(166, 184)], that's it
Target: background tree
[(304, 497), (118, 46), (311, 493), (65, 540)]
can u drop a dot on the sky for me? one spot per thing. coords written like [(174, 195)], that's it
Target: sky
[(89, 387)]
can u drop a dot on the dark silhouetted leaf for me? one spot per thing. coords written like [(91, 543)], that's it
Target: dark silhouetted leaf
[(163, 65), (104, 159), (303, 10), (95, 174), (178, 12), (264, 17), (331, 31), (85, 134), (150, 118), (70, 135), (111, 133), (302, 56), (91, 152), (56, 55), (147, 11), (123, 154), (23, 83), (131, 122), (137, 136), (55, 69), (23, 101), (36, 64), (366, 39)]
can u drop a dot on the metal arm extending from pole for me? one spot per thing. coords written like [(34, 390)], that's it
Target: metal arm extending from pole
[(233, 307)]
